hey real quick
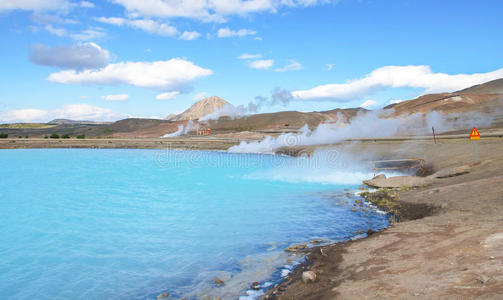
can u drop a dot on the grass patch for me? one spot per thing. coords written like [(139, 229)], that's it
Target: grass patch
[(385, 199), (27, 125)]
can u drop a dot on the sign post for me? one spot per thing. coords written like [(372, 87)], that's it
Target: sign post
[(474, 136)]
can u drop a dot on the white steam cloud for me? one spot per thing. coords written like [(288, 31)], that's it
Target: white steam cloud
[(182, 130), (227, 110), (278, 97), (365, 125)]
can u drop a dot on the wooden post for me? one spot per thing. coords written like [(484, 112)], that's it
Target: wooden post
[(434, 138), (475, 151)]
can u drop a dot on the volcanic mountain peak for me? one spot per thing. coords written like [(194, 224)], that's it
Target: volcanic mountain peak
[(201, 108)]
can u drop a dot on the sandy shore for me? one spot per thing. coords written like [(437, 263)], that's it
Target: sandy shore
[(453, 250)]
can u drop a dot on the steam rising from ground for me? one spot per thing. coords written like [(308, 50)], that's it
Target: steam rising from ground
[(228, 110), (366, 125), (279, 96), (182, 130), (327, 166)]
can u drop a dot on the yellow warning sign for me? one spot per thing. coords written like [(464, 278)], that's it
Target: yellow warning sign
[(475, 135)]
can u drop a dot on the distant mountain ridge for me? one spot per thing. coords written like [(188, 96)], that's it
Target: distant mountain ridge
[(68, 122), (484, 98)]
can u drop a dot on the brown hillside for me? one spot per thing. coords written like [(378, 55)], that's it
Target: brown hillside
[(487, 97), (283, 120), (491, 87)]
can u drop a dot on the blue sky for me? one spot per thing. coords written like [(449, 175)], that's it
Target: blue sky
[(64, 58)]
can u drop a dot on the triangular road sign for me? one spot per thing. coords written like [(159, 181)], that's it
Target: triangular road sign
[(475, 135)]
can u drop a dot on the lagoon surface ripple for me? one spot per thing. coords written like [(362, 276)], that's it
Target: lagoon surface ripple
[(131, 224)]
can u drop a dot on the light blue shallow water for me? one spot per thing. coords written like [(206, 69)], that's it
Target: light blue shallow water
[(131, 224)]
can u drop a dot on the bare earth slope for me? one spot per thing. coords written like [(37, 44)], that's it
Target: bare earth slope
[(491, 87)]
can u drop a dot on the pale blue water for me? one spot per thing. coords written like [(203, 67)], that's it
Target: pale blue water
[(131, 224)]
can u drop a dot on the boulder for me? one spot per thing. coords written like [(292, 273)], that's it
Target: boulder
[(296, 248), (308, 276), (218, 281), (381, 181)]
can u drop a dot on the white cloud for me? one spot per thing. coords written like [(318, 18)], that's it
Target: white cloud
[(93, 33), (83, 97), (55, 31), (227, 32), (395, 77), (81, 111), (149, 26), (200, 96), (160, 8), (189, 35), (173, 74), (118, 97), (394, 101), (167, 95), (209, 10), (112, 20), (24, 115), (368, 104), (49, 18), (154, 27), (262, 64), (330, 66), (86, 4), (34, 5), (292, 66), (249, 56), (78, 57)]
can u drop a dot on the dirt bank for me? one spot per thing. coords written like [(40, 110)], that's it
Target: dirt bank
[(452, 251)]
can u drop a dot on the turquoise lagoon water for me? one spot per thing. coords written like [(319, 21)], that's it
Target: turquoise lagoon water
[(131, 224)]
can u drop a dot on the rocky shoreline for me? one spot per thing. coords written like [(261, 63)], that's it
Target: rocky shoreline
[(319, 258)]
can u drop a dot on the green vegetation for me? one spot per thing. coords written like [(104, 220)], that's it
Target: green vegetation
[(19, 137), (46, 137), (27, 125), (107, 131), (3, 135), (65, 136), (26, 137), (385, 199), (54, 136), (81, 136)]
